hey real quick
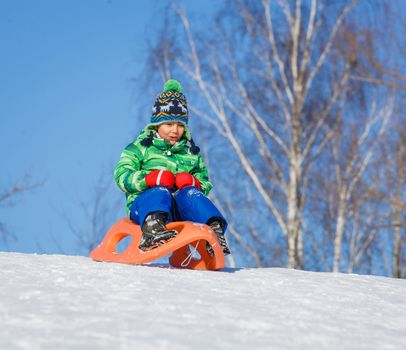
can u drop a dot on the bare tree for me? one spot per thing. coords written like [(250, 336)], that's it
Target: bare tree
[(287, 69), (277, 75), (10, 194), (349, 174), (391, 194), (100, 209)]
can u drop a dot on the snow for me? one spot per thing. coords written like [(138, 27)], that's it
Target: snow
[(72, 302)]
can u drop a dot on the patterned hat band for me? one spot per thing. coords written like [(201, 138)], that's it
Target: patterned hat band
[(170, 105), (160, 120)]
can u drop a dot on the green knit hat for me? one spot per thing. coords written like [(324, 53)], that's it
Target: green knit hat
[(170, 105)]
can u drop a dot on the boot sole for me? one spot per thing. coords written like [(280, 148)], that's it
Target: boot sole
[(172, 234)]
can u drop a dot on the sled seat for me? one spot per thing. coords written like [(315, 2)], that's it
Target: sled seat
[(189, 233)]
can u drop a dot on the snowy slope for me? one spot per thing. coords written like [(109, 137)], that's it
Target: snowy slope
[(66, 302)]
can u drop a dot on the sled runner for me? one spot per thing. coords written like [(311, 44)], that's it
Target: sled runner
[(189, 235)]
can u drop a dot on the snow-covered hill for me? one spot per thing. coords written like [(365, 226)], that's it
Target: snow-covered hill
[(67, 302)]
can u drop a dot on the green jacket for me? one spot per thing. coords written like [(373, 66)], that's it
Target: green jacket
[(137, 160)]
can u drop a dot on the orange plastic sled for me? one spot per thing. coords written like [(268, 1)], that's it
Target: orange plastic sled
[(189, 233)]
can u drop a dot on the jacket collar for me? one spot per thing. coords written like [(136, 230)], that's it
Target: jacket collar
[(162, 144), (151, 128)]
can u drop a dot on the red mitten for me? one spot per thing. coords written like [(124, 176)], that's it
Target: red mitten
[(160, 178), (185, 179)]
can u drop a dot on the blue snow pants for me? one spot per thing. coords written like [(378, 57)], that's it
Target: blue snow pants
[(188, 204)]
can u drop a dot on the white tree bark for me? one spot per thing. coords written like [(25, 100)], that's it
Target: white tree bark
[(397, 217)]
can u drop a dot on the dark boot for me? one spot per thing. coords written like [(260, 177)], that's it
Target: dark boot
[(218, 229), (154, 232)]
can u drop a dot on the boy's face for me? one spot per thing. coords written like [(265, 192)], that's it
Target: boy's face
[(172, 131)]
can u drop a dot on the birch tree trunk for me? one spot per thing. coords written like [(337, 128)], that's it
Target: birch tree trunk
[(397, 220), (342, 206)]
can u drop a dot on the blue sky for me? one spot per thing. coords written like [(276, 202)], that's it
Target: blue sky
[(66, 105)]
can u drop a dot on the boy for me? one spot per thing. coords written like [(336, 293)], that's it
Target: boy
[(164, 177)]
